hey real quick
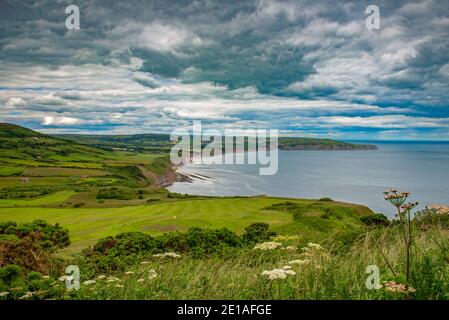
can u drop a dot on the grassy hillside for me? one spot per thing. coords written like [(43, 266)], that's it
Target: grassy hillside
[(287, 143), (21, 146), (160, 143), (34, 165)]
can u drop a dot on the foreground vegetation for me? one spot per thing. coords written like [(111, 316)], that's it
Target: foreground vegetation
[(219, 264)]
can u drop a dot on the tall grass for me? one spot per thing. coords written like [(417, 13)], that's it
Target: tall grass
[(327, 276)]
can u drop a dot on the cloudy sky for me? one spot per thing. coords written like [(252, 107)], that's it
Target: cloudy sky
[(307, 68)]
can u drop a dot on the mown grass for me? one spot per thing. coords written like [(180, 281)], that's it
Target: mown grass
[(10, 171), (8, 182), (54, 198), (86, 225)]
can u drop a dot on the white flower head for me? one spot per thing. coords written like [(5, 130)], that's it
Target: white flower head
[(271, 245), (112, 279), (152, 274), (277, 274), (167, 255), (299, 262), (27, 295)]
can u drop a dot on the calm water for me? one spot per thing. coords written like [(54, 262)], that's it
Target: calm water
[(353, 176)]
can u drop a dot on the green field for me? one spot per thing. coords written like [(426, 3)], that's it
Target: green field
[(86, 225), (58, 172), (8, 182), (56, 197), (9, 171)]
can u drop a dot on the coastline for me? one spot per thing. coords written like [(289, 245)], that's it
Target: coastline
[(173, 175)]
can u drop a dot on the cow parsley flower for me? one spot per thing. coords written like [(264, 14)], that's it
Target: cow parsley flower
[(397, 287), (271, 245), (64, 278), (276, 274), (314, 246), (167, 254), (112, 279), (89, 282), (299, 262), (152, 274), (27, 295)]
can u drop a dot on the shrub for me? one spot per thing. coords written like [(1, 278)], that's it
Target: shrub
[(49, 235), (115, 253), (283, 206), (200, 242), (116, 193), (28, 253), (377, 219), (257, 232), (10, 276), (27, 191), (432, 217), (18, 281)]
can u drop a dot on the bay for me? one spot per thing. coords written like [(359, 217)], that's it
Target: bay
[(358, 176)]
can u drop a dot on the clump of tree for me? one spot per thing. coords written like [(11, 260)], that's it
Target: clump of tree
[(375, 220), (257, 232)]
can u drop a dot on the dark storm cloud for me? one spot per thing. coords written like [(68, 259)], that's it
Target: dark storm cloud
[(155, 55)]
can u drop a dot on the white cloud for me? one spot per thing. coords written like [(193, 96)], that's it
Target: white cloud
[(15, 101), (60, 121), (155, 35)]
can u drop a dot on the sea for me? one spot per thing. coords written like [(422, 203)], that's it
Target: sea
[(356, 176)]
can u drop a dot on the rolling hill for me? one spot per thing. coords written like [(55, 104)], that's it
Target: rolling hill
[(160, 143), (34, 164)]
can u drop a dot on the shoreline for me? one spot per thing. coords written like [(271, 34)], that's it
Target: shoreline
[(173, 175)]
